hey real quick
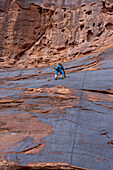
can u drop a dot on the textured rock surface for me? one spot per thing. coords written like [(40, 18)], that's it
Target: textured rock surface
[(40, 116), (38, 32), (48, 124)]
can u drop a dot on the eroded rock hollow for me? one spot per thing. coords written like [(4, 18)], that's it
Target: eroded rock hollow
[(43, 32)]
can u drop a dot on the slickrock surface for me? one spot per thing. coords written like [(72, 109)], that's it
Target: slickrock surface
[(49, 124), (40, 116), (41, 32)]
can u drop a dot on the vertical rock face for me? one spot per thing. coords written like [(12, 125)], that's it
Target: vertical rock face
[(41, 32)]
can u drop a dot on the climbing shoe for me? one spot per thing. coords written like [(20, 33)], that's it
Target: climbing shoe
[(61, 77)]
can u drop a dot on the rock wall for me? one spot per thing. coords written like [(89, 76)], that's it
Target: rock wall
[(48, 124), (37, 32)]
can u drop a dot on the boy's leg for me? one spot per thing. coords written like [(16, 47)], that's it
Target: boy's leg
[(61, 74), (56, 73)]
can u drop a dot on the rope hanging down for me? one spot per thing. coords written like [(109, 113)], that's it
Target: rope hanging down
[(78, 118)]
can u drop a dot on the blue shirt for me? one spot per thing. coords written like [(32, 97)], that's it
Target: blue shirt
[(59, 67)]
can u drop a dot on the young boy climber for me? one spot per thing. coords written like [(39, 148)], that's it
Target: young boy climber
[(61, 70)]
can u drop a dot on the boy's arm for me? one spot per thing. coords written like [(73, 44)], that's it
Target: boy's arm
[(64, 73)]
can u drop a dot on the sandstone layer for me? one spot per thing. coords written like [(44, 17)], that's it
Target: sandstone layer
[(40, 32)]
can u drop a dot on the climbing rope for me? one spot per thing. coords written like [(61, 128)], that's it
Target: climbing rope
[(78, 118)]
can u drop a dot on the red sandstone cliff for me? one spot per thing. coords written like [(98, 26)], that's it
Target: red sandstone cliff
[(36, 32)]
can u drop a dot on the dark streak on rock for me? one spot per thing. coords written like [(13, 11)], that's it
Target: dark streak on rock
[(26, 150), (2, 10), (111, 142), (99, 91)]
